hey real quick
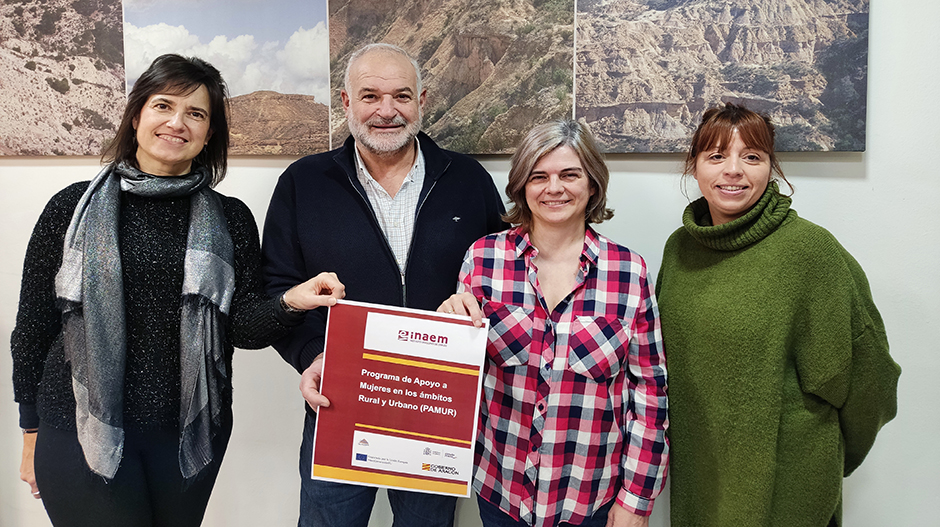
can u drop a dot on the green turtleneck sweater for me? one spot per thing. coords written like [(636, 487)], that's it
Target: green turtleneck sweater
[(779, 372)]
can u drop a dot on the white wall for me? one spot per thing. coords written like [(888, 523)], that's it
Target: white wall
[(880, 205)]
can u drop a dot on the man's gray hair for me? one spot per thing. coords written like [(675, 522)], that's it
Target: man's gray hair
[(391, 48)]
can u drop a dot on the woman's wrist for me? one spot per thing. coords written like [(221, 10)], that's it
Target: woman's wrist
[(289, 308)]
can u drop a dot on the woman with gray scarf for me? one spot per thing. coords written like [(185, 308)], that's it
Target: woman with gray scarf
[(136, 287)]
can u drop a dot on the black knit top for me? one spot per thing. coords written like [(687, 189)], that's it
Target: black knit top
[(152, 235)]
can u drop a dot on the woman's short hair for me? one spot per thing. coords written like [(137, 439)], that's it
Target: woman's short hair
[(176, 75), (543, 139), (717, 127)]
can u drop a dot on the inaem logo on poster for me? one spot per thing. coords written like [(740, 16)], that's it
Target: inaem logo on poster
[(422, 338)]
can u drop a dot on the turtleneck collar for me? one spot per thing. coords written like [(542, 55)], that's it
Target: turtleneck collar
[(763, 218)]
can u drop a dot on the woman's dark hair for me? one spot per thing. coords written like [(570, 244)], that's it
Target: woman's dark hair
[(176, 75), (539, 142), (719, 124)]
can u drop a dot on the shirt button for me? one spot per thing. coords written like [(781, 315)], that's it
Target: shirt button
[(535, 448), (541, 406), (548, 366)]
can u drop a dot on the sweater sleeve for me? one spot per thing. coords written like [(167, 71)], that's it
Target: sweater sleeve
[(284, 267), (256, 319), (38, 320), (871, 400), (846, 330)]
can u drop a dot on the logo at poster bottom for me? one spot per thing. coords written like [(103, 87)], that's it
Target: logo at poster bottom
[(443, 469)]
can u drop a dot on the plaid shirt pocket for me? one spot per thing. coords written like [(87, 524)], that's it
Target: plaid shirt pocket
[(510, 333), (598, 347)]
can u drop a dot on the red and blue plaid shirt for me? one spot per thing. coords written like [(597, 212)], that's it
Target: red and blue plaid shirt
[(574, 400)]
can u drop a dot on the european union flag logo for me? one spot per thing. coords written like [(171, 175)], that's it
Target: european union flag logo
[(362, 457)]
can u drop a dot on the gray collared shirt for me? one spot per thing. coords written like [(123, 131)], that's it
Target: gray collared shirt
[(396, 215)]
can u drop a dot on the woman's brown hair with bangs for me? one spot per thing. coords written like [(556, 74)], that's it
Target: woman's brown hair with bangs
[(717, 126)]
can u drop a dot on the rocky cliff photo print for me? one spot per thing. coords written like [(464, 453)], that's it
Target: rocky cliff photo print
[(647, 69), (640, 72), (272, 53), (61, 76)]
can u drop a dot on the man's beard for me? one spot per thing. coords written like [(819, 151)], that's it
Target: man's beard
[(383, 143)]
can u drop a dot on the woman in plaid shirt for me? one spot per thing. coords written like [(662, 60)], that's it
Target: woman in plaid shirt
[(573, 417)]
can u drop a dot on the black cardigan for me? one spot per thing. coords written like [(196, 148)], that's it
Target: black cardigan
[(320, 220)]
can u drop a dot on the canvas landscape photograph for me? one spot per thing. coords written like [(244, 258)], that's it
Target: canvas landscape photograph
[(492, 69), (647, 69), (273, 54), (639, 72), (61, 76)]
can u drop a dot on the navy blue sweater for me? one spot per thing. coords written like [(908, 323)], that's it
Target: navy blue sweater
[(320, 220)]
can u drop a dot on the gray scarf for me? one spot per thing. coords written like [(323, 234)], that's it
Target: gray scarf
[(90, 289)]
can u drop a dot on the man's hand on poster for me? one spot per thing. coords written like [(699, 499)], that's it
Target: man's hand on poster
[(310, 384)]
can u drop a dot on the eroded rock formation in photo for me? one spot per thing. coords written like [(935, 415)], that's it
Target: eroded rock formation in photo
[(271, 123), (61, 76), (646, 70)]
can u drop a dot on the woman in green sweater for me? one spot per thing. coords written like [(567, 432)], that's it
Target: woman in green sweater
[(779, 372)]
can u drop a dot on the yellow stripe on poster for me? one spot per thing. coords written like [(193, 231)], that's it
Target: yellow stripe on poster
[(419, 364), (388, 480), (406, 432)]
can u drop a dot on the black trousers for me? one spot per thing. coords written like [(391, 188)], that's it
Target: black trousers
[(147, 490)]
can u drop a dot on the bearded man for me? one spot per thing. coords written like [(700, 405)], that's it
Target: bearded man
[(392, 214)]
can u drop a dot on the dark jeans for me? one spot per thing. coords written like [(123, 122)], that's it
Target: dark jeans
[(147, 490), (493, 516), (328, 504)]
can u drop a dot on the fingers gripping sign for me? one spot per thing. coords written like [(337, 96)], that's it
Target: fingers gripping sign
[(323, 289), (463, 304), (310, 384)]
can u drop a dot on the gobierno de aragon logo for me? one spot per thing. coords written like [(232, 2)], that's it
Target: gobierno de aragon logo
[(443, 469), (422, 338)]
